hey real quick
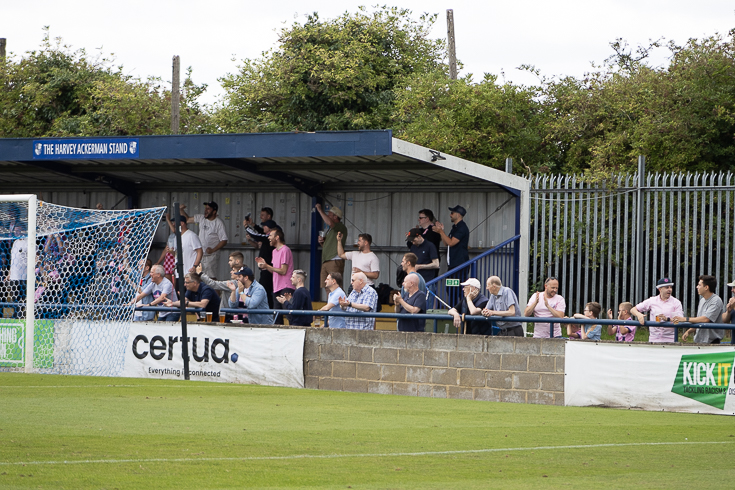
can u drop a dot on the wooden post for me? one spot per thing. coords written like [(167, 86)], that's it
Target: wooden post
[(452, 50), (3, 41), (175, 95)]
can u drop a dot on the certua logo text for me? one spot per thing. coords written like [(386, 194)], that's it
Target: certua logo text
[(158, 347), (705, 378)]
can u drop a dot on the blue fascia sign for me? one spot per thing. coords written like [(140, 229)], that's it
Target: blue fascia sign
[(97, 148)]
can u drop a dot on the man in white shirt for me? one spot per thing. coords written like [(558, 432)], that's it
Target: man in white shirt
[(192, 248), (363, 260), (212, 236)]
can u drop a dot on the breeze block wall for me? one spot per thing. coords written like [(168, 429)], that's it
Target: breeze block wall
[(502, 369)]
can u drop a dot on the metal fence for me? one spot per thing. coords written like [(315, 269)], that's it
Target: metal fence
[(501, 261), (611, 241)]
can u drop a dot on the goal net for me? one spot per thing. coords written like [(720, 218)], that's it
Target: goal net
[(69, 277)]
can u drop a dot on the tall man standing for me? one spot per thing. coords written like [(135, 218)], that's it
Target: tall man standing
[(331, 261), (427, 256), (546, 304), (282, 267), (212, 235), (363, 260), (458, 239), (259, 237), (710, 310), (192, 248), (663, 307)]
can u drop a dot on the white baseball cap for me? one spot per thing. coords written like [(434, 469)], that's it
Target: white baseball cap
[(472, 282)]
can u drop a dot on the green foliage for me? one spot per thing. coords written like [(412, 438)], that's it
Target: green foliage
[(339, 74), (483, 122), (681, 117), (58, 92)]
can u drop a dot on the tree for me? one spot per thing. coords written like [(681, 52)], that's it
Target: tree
[(339, 74), (58, 92), (681, 117), (484, 122)]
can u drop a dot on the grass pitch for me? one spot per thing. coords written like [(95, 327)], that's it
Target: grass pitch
[(89, 432)]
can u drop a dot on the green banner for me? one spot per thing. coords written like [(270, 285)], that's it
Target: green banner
[(12, 343), (705, 377)]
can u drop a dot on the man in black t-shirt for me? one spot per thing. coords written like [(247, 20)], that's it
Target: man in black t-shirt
[(199, 295)]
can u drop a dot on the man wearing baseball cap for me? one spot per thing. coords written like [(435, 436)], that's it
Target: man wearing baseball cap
[(331, 261), (250, 294), (662, 308), (212, 234), (458, 239), (727, 316), (473, 301)]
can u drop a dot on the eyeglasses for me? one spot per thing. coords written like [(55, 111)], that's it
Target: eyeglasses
[(423, 217)]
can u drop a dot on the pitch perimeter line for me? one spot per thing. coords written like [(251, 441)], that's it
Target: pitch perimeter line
[(337, 456)]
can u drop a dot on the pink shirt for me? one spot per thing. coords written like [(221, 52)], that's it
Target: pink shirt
[(670, 308), (541, 330), (282, 256)]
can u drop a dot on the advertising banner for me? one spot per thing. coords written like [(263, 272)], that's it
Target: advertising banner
[(675, 378), (264, 356)]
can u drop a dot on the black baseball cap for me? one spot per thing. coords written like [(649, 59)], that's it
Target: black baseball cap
[(212, 205)]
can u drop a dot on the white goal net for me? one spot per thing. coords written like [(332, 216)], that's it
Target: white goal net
[(67, 283)]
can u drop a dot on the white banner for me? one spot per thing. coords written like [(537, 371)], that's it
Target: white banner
[(650, 377), (264, 356)]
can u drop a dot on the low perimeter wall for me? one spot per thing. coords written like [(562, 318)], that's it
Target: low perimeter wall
[(501, 369)]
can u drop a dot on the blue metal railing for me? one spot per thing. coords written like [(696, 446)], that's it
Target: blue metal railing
[(501, 261)]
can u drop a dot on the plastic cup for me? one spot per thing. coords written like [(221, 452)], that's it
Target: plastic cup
[(209, 316), (222, 318)]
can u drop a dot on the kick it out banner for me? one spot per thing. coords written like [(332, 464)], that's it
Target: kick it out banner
[(675, 378)]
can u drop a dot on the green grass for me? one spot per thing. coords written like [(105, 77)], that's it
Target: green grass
[(86, 432)]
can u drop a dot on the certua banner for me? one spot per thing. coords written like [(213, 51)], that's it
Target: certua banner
[(85, 148), (266, 356), (682, 378)]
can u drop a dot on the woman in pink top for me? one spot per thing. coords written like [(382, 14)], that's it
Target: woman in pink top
[(662, 308), (546, 304)]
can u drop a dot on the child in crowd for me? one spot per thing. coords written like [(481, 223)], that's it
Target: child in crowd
[(623, 333), (587, 332)]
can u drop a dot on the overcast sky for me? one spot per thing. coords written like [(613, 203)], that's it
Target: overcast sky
[(559, 37)]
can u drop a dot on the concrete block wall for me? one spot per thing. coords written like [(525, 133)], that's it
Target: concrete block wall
[(505, 369)]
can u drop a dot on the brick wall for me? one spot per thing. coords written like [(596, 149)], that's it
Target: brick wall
[(505, 369)]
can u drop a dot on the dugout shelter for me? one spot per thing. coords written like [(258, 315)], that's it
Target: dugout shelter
[(379, 182)]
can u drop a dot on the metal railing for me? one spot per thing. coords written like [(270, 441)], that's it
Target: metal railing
[(501, 261)]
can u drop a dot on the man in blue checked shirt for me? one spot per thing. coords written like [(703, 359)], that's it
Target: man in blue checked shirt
[(363, 298)]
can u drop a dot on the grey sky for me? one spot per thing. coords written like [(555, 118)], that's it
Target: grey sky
[(559, 37)]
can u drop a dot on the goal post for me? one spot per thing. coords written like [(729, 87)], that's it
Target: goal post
[(68, 277)]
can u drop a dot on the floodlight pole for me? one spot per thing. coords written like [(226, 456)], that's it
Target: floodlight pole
[(451, 47), (182, 291)]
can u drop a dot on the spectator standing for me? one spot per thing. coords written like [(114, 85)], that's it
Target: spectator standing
[(212, 235), (458, 239), (427, 255), (362, 299), (408, 263), (502, 301), (282, 267), (546, 304), (472, 303), (363, 260), (18, 273), (426, 223), (331, 261), (336, 294), (727, 316), (252, 296), (299, 300), (709, 310), (191, 246), (623, 333), (413, 303), (661, 308), (259, 237)]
